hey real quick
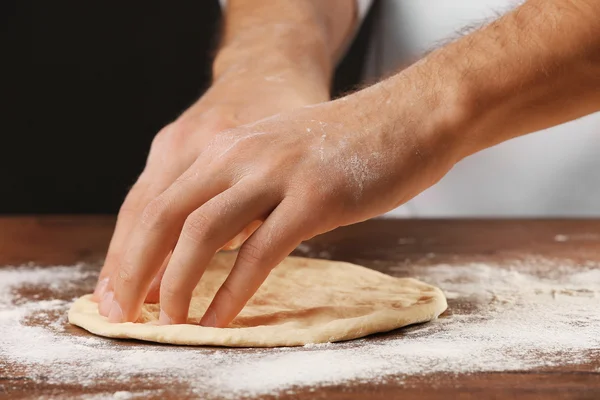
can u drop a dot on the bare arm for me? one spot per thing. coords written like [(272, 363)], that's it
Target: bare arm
[(310, 170), (534, 68), (275, 56), (300, 39)]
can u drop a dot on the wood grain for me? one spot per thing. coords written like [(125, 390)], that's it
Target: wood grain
[(378, 244)]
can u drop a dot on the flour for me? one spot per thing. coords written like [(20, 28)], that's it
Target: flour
[(124, 395), (577, 237), (561, 238), (231, 144), (406, 240), (275, 78), (525, 315)]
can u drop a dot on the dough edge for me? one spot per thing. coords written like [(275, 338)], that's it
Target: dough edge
[(84, 313)]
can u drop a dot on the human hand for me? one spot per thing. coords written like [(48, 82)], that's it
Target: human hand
[(238, 96), (303, 173)]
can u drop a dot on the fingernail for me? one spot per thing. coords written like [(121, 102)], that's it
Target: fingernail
[(164, 319), (209, 319), (100, 289), (106, 303), (116, 314)]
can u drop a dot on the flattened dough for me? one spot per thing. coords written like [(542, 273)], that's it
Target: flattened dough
[(302, 301)]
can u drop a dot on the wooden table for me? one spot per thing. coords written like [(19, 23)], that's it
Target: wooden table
[(378, 244)]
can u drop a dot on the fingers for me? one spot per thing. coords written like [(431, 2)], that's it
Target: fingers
[(278, 236), (160, 172), (237, 241), (149, 186), (205, 231), (152, 238), (153, 293), (135, 201)]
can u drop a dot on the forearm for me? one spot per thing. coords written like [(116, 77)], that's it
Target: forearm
[(536, 67), (299, 38)]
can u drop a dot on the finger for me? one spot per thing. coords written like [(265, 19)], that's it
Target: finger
[(153, 295), (135, 200), (154, 236), (237, 241), (205, 231), (149, 186), (279, 235), (158, 175)]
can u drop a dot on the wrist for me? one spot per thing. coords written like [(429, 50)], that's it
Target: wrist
[(246, 94), (423, 110), (272, 48), (264, 70)]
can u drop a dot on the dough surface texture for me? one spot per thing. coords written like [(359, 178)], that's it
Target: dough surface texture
[(302, 301)]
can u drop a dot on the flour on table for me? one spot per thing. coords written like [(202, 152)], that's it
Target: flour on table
[(520, 319)]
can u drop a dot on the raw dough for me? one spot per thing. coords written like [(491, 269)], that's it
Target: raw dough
[(302, 301)]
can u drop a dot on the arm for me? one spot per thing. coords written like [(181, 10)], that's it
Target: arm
[(304, 37), (274, 57), (534, 68), (308, 171), (282, 53)]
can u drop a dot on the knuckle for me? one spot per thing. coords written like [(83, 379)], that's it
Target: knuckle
[(190, 176), (165, 135), (128, 209), (136, 197), (169, 140), (125, 275), (155, 214), (301, 202), (314, 200), (131, 204), (251, 254), (175, 285), (199, 228)]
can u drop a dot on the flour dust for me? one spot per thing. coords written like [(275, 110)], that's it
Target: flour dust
[(510, 318)]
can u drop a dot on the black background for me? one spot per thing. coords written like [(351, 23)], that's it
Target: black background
[(87, 84)]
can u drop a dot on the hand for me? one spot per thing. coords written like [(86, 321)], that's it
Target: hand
[(311, 170), (303, 172), (238, 96)]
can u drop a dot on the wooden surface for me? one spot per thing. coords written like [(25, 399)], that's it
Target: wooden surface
[(379, 244)]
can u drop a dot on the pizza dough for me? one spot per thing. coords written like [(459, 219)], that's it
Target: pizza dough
[(302, 301)]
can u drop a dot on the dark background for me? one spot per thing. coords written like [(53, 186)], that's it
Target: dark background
[(86, 86)]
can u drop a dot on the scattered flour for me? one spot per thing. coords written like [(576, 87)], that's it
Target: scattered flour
[(577, 237), (561, 238), (513, 318), (406, 240), (123, 395)]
